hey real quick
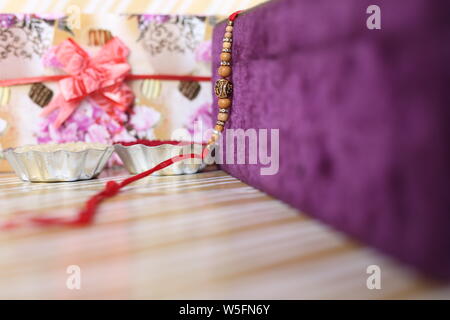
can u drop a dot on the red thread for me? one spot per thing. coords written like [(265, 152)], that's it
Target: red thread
[(167, 77), (154, 143), (30, 80), (19, 81), (234, 15), (111, 189), (86, 215)]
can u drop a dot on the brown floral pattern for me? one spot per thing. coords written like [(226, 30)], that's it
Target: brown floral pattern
[(25, 38), (169, 33)]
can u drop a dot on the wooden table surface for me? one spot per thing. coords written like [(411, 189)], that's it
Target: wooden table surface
[(203, 236)]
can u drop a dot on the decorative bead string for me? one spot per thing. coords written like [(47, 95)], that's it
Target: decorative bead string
[(223, 90), (224, 87)]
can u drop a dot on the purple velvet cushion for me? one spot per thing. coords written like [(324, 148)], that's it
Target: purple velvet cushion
[(363, 117)]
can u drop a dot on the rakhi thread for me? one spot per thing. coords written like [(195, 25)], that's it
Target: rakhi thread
[(223, 87), (86, 215), (112, 188)]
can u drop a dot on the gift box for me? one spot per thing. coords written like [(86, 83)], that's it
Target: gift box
[(92, 77), (362, 117)]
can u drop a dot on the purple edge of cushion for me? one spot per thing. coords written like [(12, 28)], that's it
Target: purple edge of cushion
[(363, 118)]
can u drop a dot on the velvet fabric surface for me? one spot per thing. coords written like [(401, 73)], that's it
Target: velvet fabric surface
[(363, 117)]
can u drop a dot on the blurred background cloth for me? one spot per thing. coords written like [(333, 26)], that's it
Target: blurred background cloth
[(216, 7)]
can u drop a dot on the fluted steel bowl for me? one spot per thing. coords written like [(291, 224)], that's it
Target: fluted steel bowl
[(59, 165), (138, 158)]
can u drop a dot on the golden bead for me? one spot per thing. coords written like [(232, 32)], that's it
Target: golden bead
[(224, 103), (227, 45), (222, 116), (218, 127), (229, 29), (225, 56), (227, 35), (224, 71), (223, 88)]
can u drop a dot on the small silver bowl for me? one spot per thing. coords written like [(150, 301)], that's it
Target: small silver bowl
[(58, 165), (138, 158)]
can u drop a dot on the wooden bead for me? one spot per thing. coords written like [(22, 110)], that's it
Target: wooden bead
[(218, 127), (222, 116), (224, 103), (225, 56), (228, 35), (229, 29), (227, 45), (224, 71)]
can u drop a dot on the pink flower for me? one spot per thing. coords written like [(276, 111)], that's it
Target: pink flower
[(158, 18), (143, 120), (203, 53), (88, 123), (48, 133), (97, 133), (83, 116), (123, 136), (198, 124), (7, 20), (50, 16), (66, 134), (49, 59)]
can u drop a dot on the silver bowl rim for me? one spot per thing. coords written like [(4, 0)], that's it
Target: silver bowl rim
[(13, 150)]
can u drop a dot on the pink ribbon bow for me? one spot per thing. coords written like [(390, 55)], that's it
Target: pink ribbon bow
[(100, 78)]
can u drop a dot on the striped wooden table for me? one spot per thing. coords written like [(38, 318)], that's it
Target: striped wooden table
[(186, 237)]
